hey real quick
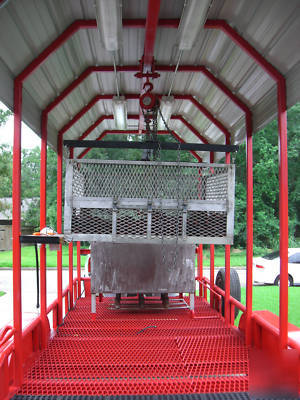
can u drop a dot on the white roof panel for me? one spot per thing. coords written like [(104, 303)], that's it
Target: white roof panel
[(271, 26)]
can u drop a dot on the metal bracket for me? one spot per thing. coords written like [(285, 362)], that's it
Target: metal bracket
[(184, 220), (149, 219), (114, 219)]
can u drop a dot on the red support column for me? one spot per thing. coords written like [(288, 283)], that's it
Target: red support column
[(249, 250), (59, 227), (283, 212), (212, 254), (283, 167), (78, 271), (71, 273), (71, 263), (16, 227), (227, 271), (212, 272), (43, 213), (200, 266)]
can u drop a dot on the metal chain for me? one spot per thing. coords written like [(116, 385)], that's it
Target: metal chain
[(179, 182), (151, 133)]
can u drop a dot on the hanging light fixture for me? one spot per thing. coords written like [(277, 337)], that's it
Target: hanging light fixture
[(120, 111), (192, 20), (166, 108), (109, 21)]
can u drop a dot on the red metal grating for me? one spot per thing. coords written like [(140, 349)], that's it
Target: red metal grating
[(116, 355)]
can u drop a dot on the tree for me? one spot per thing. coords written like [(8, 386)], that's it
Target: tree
[(265, 171), (266, 188), (4, 115), (135, 154), (5, 166)]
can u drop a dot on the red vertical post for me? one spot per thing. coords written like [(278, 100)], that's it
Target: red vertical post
[(78, 270), (43, 214), (283, 172), (16, 227), (59, 228), (71, 273), (200, 266), (212, 254), (249, 249), (283, 212), (71, 262), (212, 272), (227, 270)]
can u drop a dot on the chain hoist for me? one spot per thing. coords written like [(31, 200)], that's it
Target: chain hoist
[(151, 111)]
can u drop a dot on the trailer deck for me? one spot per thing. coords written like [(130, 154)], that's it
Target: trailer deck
[(80, 73), (140, 352)]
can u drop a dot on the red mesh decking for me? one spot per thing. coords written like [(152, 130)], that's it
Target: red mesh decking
[(116, 354)]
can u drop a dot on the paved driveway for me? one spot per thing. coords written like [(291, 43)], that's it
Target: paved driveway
[(29, 292)]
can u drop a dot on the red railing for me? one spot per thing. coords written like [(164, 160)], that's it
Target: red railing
[(31, 338), (218, 293)]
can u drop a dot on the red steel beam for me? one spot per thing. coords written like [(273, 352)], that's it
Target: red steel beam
[(141, 23), (190, 127), (134, 116), (76, 118), (130, 117), (62, 38), (283, 164), (212, 272), (207, 114), (44, 55), (86, 24), (16, 228), (58, 42), (78, 270), (39, 60), (43, 223), (134, 96), (134, 68), (238, 103), (18, 86), (59, 228), (150, 34), (246, 46)]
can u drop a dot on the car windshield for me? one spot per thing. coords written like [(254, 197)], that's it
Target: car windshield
[(271, 256)]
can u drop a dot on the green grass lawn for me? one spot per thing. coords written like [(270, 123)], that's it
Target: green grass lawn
[(2, 293), (238, 257), (267, 298), (28, 257)]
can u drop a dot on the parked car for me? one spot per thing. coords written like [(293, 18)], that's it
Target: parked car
[(266, 269)]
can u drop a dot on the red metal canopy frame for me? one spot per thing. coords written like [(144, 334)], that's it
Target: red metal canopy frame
[(18, 85)]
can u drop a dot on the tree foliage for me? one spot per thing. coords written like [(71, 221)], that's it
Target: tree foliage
[(266, 187), (4, 115)]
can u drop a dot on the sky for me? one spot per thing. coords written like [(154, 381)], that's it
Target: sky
[(29, 138)]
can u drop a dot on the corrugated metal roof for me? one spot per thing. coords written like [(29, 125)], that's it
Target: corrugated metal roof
[(271, 26)]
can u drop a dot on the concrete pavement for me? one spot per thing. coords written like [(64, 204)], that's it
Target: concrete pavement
[(29, 292)]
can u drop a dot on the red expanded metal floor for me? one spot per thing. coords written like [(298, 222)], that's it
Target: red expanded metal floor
[(116, 354)]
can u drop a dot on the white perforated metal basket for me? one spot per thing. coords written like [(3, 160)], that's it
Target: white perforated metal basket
[(125, 201)]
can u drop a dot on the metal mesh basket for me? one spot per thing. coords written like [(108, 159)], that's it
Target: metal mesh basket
[(121, 201)]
